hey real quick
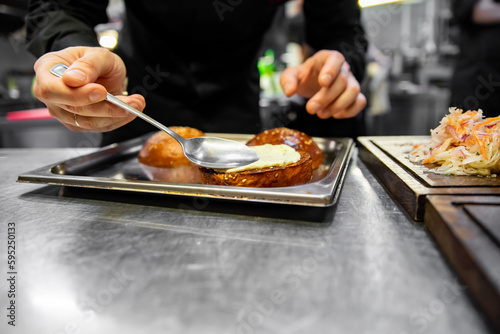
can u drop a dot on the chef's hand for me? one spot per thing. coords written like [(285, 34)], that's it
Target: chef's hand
[(77, 99), (327, 80)]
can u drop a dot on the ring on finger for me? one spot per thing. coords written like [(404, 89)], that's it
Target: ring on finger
[(76, 121)]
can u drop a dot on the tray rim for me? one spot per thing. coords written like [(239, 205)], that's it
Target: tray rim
[(321, 193)]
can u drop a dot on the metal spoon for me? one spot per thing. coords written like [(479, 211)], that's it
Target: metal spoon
[(210, 152)]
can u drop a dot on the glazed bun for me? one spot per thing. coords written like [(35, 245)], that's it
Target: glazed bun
[(293, 138), (296, 173), (175, 174), (161, 150)]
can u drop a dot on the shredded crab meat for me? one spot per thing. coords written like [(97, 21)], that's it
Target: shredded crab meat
[(464, 143)]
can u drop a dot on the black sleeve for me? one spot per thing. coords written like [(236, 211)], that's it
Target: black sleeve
[(462, 10), (53, 25), (336, 25)]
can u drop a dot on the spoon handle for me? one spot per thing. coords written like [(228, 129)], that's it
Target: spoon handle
[(117, 102), (59, 69)]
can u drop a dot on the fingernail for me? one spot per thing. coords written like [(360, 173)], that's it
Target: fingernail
[(77, 74), (95, 96), (327, 79), (313, 107)]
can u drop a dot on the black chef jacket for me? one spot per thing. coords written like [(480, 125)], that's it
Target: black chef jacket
[(194, 61), (476, 79)]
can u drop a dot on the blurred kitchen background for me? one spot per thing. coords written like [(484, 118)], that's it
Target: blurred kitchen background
[(411, 55)]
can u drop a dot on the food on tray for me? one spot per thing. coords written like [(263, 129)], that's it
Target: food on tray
[(287, 157), (177, 174), (464, 143), (293, 138), (278, 166), (162, 158), (161, 150), (270, 156)]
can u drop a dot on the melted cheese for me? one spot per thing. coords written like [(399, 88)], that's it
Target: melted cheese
[(270, 156)]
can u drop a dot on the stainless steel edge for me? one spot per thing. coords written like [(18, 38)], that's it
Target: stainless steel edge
[(321, 193)]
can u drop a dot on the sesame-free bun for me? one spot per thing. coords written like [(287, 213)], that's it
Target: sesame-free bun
[(175, 174), (161, 150), (296, 173)]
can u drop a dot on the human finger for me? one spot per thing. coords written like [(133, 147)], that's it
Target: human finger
[(86, 65), (85, 119), (354, 109), (89, 124), (349, 100), (327, 95), (81, 123), (53, 90), (94, 65), (346, 98), (106, 109), (289, 80), (331, 63)]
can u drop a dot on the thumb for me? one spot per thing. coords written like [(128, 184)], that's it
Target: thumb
[(289, 79), (75, 77), (92, 64), (79, 74)]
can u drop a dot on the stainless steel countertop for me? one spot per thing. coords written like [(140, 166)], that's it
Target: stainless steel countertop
[(108, 262)]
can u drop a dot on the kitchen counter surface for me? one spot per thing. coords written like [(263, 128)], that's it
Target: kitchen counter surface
[(108, 262)]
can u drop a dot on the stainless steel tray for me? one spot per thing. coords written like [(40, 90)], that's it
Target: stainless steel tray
[(116, 167)]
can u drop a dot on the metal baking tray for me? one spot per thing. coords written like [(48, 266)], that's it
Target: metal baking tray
[(409, 183), (116, 167)]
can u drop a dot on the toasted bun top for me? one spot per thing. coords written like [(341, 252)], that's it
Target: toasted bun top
[(161, 150)]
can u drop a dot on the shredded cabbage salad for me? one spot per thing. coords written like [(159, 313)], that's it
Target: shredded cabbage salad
[(464, 143)]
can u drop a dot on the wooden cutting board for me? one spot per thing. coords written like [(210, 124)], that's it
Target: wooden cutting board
[(467, 229), (410, 183)]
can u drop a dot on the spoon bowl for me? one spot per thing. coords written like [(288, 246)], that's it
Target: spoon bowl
[(209, 152)]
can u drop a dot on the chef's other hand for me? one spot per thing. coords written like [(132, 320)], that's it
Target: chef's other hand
[(327, 80), (77, 100)]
